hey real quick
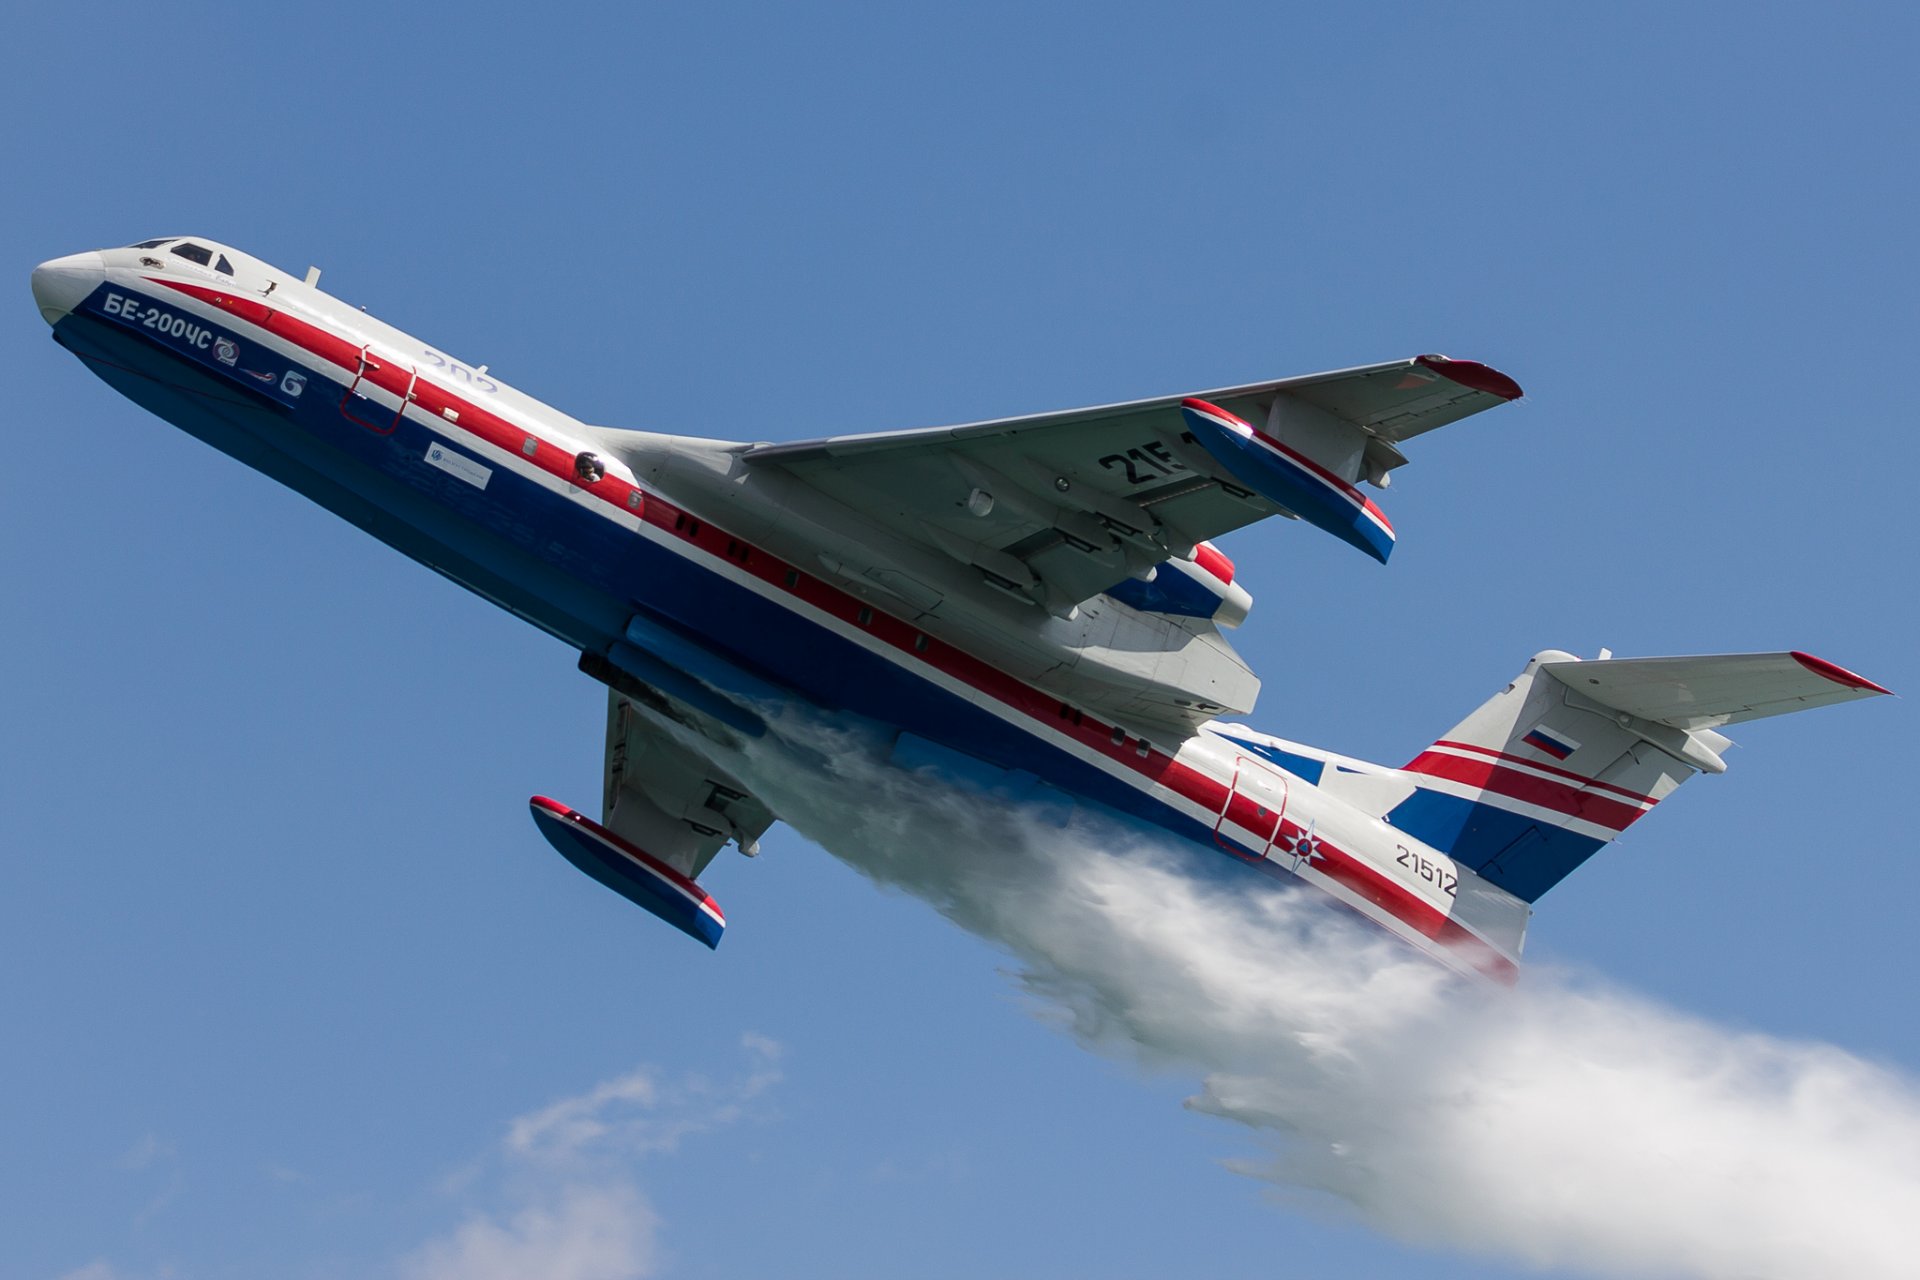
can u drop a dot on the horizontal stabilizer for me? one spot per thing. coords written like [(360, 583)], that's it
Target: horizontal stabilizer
[(1706, 692)]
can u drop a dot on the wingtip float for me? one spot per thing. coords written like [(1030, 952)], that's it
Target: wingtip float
[(630, 871)]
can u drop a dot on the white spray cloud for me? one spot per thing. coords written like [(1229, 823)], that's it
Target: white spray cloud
[(1565, 1124)]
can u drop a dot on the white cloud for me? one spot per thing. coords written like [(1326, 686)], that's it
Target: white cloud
[(571, 1207), (144, 1153), (571, 1125), (575, 1233), (151, 1155), (635, 1114)]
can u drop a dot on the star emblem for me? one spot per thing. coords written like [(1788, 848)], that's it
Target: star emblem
[(1304, 846)]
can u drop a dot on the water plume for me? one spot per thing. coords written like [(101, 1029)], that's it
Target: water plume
[(1564, 1124)]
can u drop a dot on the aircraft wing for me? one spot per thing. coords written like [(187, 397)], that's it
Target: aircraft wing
[(1061, 506), (667, 801)]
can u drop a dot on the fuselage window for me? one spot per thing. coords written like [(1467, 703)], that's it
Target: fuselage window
[(154, 244), (223, 266), (194, 253)]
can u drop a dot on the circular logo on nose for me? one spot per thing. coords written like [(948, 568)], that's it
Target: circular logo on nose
[(226, 350)]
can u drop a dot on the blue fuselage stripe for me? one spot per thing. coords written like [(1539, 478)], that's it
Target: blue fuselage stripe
[(573, 571)]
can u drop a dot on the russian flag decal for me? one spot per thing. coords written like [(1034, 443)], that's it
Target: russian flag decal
[(1557, 745)]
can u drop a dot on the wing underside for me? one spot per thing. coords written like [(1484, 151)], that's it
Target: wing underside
[(1058, 507), (667, 800)]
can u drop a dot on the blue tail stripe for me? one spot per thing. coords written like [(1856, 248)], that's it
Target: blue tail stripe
[(1525, 856)]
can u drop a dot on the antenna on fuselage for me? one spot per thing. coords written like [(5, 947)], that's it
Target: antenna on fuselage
[(313, 278)]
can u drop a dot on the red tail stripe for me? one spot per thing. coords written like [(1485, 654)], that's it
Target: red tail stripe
[(1487, 775), (1578, 779)]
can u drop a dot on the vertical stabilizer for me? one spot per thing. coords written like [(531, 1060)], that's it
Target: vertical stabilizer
[(1572, 753)]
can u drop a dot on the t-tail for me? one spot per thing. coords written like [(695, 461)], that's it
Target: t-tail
[(1572, 753)]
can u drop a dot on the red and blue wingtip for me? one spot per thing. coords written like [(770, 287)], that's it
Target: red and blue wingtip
[(1837, 674), (629, 871), (1290, 479), (1472, 375)]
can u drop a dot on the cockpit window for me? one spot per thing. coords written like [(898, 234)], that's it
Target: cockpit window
[(154, 244), (194, 253), (223, 266)]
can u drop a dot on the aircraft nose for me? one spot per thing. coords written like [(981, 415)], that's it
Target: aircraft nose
[(59, 285)]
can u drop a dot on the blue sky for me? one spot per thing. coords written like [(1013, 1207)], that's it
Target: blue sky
[(281, 956)]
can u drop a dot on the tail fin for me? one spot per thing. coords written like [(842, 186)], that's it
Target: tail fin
[(1572, 753)]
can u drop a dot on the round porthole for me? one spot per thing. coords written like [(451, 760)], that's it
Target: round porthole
[(588, 467)]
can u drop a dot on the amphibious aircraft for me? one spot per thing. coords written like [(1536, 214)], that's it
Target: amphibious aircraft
[(1035, 600)]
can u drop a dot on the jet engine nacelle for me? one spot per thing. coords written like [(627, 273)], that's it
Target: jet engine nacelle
[(1202, 587)]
